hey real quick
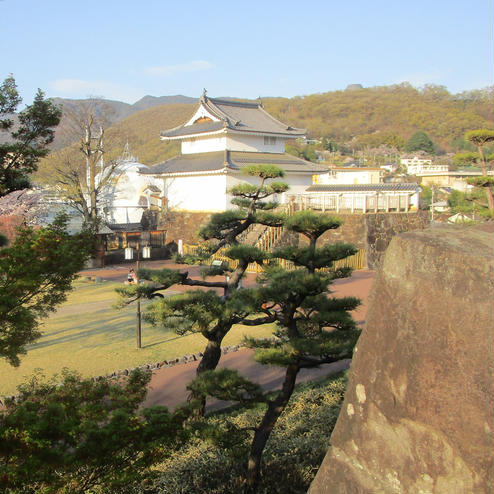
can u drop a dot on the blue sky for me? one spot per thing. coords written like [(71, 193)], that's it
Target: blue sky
[(125, 49)]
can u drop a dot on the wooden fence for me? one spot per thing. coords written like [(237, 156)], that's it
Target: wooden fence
[(357, 261)]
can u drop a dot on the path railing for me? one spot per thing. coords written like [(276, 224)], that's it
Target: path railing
[(354, 203), (357, 261)]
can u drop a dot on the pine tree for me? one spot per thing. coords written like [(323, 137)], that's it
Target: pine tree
[(313, 327), (208, 312), (36, 273), (23, 142)]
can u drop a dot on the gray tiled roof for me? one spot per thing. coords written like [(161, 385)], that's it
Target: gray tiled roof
[(405, 187), (187, 163), (236, 116), (200, 128), (232, 160), (284, 160)]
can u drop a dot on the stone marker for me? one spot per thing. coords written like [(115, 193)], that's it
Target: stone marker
[(418, 415)]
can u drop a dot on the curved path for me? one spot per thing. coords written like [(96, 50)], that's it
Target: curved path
[(168, 385)]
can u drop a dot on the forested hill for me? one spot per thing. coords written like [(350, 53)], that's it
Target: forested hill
[(399, 109), (338, 115)]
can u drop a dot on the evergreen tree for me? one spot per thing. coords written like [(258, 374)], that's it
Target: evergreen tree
[(24, 142), (208, 312), (313, 327), (36, 272), (420, 141), (479, 138)]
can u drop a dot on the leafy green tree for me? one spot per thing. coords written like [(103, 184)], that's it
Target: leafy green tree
[(24, 143), (208, 312), (420, 141), (329, 145), (479, 138), (36, 272), (425, 197), (82, 436), (309, 153), (469, 202), (313, 328)]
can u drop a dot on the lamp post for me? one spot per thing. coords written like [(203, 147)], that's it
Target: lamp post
[(146, 253), (138, 328)]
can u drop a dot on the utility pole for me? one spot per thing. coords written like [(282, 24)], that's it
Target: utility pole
[(432, 203), (138, 328)]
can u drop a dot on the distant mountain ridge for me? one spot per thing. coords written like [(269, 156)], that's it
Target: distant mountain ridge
[(114, 111), (121, 110), (150, 101)]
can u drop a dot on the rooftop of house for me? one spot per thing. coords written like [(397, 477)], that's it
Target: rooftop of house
[(356, 169), (230, 160), (383, 187), (232, 116)]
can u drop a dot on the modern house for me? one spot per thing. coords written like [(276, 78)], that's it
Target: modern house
[(221, 139), (455, 179), (343, 175), (416, 166)]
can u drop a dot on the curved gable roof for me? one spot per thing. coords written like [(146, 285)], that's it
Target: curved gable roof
[(235, 116)]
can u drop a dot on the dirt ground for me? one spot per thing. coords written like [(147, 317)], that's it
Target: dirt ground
[(168, 385)]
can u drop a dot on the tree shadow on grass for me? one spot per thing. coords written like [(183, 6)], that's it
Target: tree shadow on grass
[(91, 334), (177, 337)]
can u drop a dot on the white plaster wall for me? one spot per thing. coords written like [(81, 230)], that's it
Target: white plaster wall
[(245, 143), (254, 143), (204, 145), (298, 184), (196, 193), (414, 201)]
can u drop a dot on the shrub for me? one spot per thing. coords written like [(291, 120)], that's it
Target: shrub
[(292, 456)]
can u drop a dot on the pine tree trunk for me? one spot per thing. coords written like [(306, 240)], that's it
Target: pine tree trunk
[(209, 361), (490, 200), (261, 436), (211, 357)]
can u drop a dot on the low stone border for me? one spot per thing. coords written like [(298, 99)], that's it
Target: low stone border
[(193, 357)]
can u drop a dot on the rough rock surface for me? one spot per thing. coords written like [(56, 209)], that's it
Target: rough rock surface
[(418, 415)]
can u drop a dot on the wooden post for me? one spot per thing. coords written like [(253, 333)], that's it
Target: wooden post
[(338, 203), (365, 204)]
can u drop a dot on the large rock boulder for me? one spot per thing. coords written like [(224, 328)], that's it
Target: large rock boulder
[(418, 415)]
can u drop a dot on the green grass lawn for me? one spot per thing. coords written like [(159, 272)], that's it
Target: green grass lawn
[(88, 335)]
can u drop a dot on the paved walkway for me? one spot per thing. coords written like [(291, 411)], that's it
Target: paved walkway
[(168, 385)]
